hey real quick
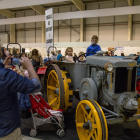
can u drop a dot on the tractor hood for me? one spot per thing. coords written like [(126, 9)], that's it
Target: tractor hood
[(117, 62)]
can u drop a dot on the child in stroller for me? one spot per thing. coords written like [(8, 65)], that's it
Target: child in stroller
[(42, 113)]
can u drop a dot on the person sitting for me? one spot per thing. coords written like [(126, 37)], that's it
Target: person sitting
[(68, 54), (106, 53), (93, 48), (59, 56), (53, 56), (10, 84), (109, 53), (81, 58)]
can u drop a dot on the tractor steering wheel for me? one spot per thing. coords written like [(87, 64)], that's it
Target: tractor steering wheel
[(84, 56)]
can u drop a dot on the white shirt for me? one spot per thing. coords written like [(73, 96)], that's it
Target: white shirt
[(53, 57), (70, 57)]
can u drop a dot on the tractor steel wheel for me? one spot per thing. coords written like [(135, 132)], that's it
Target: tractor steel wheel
[(68, 91), (90, 121), (54, 87), (138, 112)]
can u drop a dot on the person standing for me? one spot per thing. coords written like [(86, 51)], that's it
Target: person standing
[(4, 54), (93, 48), (37, 59), (59, 56)]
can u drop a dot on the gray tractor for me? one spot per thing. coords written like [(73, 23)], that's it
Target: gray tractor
[(105, 87)]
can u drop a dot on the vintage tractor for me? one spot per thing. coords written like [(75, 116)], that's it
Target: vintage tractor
[(106, 89)]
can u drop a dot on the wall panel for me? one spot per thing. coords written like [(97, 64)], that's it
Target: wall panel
[(30, 36), (109, 19), (74, 21), (122, 3), (106, 33), (92, 6), (20, 37), (136, 32), (64, 35), (56, 35), (123, 18), (32, 24), (38, 24), (107, 5), (38, 36), (90, 31), (74, 35), (55, 10), (121, 32)]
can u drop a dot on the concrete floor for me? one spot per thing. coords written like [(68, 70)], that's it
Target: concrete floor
[(125, 131)]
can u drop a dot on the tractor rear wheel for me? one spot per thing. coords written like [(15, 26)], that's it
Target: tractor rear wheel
[(57, 88), (90, 121)]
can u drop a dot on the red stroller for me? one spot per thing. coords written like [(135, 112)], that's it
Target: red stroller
[(43, 113)]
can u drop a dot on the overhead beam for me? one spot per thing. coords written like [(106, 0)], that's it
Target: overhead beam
[(130, 18), (7, 13), (39, 9), (24, 3), (130, 2), (77, 14), (79, 4)]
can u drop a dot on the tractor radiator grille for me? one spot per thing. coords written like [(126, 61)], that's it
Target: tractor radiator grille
[(121, 80)]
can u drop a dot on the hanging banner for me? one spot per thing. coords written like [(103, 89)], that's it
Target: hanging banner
[(49, 29), (119, 51)]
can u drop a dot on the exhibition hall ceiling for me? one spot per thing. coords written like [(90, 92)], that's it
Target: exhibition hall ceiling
[(20, 5), (6, 4)]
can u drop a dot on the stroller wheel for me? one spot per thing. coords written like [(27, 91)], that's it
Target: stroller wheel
[(33, 133), (60, 133), (63, 125)]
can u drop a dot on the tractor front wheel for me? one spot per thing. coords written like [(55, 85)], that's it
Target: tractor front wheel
[(90, 121)]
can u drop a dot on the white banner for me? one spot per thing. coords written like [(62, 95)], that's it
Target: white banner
[(49, 29), (119, 50)]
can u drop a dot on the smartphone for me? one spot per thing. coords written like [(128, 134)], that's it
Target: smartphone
[(15, 61)]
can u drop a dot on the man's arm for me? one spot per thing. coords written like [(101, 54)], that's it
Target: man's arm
[(16, 83)]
